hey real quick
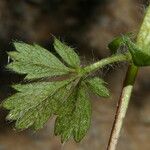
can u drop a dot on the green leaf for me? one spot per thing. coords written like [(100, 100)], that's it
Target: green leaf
[(140, 51), (35, 61), (143, 38), (97, 86), (67, 53), (34, 103), (75, 116), (117, 43), (139, 56)]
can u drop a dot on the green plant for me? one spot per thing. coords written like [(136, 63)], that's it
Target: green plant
[(60, 87)]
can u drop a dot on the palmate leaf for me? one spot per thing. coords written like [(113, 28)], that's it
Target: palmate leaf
[(35, 61), (35, 102)]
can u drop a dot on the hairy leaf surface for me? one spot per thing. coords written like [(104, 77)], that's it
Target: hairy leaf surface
[(97, 86), (37, 100), (75, 116), (34, 103), (35, 61), (67, 53)]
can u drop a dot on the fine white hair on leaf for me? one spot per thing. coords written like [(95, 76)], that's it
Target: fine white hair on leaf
[(8, 59)]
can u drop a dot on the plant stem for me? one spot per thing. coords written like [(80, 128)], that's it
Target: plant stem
[(122, 106), (106, 61)]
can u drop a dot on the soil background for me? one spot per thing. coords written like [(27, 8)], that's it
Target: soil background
[(87, 25)]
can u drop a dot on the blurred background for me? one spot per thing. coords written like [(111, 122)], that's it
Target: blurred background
[(87, 25)]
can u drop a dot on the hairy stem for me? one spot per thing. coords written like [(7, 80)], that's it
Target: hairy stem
[(122, 106), (106, 61)]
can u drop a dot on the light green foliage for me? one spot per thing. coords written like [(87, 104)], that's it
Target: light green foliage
[(67, 53), (75, 116), (35, 61), (139, 56), (97, 86), (140, 50), (143, 38), (35, 102), (67, 98), (117, 42)]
